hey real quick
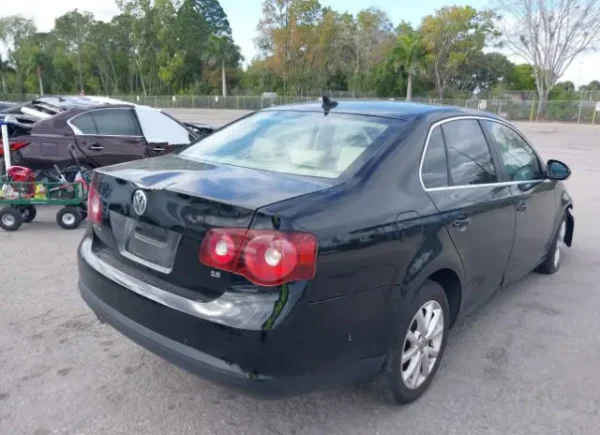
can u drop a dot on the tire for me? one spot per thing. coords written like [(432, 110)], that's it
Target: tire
[(394, 383), (29, 212), (68, 218), (10, 219), (553, 259)]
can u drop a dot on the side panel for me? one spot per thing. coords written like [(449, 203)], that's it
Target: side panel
[(110, 150), (360, 246), (43, 152), (536, 212), (378, 229), (481, 223)]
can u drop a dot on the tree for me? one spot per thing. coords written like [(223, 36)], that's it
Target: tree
[(594, 85), (482, 72), (408, 55), (450, 36), (13, 31), (142, 36), (522, 78), (565, 86), (214, 15), (220, 50), (549, 34), (334, 50), (373, 36), (73, 29), (260, 77), (33, 54), (5, 68), (289, 41), (193, 32)]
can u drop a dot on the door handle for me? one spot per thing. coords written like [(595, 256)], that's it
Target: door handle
[(521, 206), (461, 223), (96, 147), (158, 150)]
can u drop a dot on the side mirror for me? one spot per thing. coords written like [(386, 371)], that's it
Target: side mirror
[(556, 170)]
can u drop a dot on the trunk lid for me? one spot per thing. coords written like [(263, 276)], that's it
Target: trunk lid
[(228, 185), (184, 199)]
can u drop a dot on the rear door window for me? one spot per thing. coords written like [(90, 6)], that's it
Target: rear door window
[(85, 124), (116, 122), (435, 166), (469, 156), (160, 128)]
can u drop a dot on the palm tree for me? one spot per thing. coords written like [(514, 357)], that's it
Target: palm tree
[(37, 60), (408, 54), (221, 50)]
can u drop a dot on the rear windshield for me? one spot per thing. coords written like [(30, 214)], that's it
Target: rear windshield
[(299, 143)]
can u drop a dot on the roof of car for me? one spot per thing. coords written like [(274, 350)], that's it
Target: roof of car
[(389, 109), (26, 114)]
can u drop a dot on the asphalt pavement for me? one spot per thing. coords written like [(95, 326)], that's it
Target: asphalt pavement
[(525, 363)]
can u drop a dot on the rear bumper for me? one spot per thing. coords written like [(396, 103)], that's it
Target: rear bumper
[(221, 372), (311, 346)]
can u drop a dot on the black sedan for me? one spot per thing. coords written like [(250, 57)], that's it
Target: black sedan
[(307, 246)]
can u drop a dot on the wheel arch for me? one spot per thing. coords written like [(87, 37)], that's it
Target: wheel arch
[(450, 281), (570, 225)]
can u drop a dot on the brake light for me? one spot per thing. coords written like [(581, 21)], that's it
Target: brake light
[(94, 205), (18, 145), (264, 257), (13, 146)]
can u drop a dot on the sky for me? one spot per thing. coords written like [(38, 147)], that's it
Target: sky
[(244, 16)]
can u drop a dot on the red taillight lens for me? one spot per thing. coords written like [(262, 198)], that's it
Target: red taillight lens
[(263, 257), (221, 247), (13, 146), (18, 145), (94, 205)]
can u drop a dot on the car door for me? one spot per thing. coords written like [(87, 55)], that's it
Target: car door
[(476, 207), (533, 198), (109, 135), (163, 134)]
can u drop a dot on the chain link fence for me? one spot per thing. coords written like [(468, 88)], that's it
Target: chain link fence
[(582, 112)]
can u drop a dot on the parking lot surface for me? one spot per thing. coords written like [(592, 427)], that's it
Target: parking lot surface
[(526, 363)]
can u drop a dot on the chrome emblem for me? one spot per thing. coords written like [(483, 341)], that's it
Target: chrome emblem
[(139, 202)]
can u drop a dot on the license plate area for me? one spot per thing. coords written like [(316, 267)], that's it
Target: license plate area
[(145, 244)]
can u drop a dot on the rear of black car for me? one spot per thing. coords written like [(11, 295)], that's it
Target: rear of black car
[(181, 257)]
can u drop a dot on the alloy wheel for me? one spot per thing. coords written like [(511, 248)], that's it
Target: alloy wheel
[(422, 344), (560, 243)]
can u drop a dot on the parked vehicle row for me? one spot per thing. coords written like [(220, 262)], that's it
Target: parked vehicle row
[(104, 131), (308, 246)]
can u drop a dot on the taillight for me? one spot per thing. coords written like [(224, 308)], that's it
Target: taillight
[(264, 257), (94, 205), (18, 145), (13, 146)]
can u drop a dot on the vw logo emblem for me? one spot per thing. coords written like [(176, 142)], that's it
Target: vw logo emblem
[(140, 201)]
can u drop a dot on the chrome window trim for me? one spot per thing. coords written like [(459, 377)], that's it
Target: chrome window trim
[(78, 132), (472, 186)]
